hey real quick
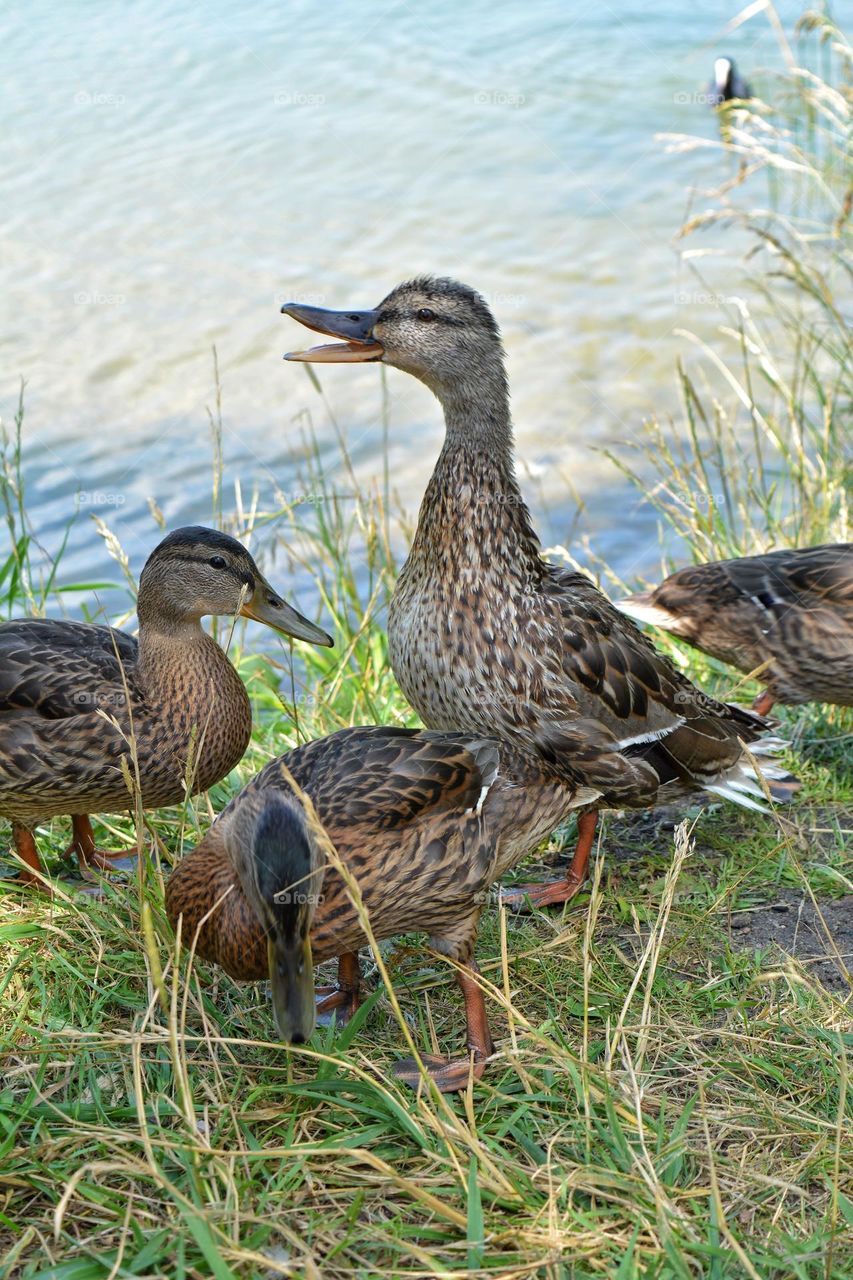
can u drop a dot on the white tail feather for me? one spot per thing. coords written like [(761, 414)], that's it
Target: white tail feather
[(643, 612), (767, 746), (749, 788), (728, 792)]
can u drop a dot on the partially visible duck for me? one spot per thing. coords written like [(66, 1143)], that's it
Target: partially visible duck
[(73, 695), (789, 612), (424, 821), (487, 637), (727, 83)]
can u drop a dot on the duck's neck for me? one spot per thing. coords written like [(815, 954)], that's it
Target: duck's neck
[(167, 641), (183, 671), (473, 511)]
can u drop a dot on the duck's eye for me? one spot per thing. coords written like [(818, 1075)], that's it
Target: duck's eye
[(426, 313), (218, 562)]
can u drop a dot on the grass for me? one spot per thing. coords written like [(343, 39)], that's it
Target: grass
[(672, 1092)]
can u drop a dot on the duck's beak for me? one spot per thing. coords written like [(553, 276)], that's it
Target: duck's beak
[(266, 605), (292, 981), (354, 327)]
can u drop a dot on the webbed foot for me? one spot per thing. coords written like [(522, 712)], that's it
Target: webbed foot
[(449, 1075), (91, 859), (341, 1000)]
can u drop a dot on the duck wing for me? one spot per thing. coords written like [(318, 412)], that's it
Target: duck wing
[(645, 724), (53, 669), (383, 778), (799, 590)]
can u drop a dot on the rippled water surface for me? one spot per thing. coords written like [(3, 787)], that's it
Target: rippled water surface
[(171, 175)]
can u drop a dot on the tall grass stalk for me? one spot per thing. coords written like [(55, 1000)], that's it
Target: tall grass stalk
[(761, 457)]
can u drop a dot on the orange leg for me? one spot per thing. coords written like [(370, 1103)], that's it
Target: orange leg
[(343, 998), (764, 703), (554, 892), (88, 855), (25, 847), (448, 1075)]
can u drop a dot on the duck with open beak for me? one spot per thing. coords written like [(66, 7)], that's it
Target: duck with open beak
[(355, 328)]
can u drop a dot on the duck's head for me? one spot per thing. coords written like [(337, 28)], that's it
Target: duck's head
[(197, 572), (437, 329), (724, 69), (280, 868)]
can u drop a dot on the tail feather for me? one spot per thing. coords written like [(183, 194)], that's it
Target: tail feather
[(727, 791), (745, 784), (642, 608)]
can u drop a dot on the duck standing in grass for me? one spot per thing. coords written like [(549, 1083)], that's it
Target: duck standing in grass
[(789, 611), (487, 637), (424, 821), (74, 697)]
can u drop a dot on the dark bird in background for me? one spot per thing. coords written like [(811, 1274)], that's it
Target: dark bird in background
[(727, 83)]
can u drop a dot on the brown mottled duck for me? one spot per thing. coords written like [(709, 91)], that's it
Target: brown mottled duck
[(424, 821), (72, 695), (789, 611), (485, 636)]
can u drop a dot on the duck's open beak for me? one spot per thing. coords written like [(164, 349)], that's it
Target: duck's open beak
[(354, 327), (266, 605), (292, 983)]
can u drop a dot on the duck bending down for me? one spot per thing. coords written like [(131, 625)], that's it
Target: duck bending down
[(487, 637), (73, 696), (424, 821), (789, 611)]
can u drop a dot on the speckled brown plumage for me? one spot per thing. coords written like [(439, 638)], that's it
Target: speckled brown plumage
[(399, 805), (424, 821), (486, 637), (72, 695), (791, 608)]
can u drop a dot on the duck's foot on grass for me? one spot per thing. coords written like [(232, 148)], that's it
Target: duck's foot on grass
[(91, 859), (32, 872), (452, 1074), (341, 1000), (530, 897), (449, 1075), (553, 893)]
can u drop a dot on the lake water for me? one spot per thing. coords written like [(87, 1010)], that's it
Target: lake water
[(169, 178)]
